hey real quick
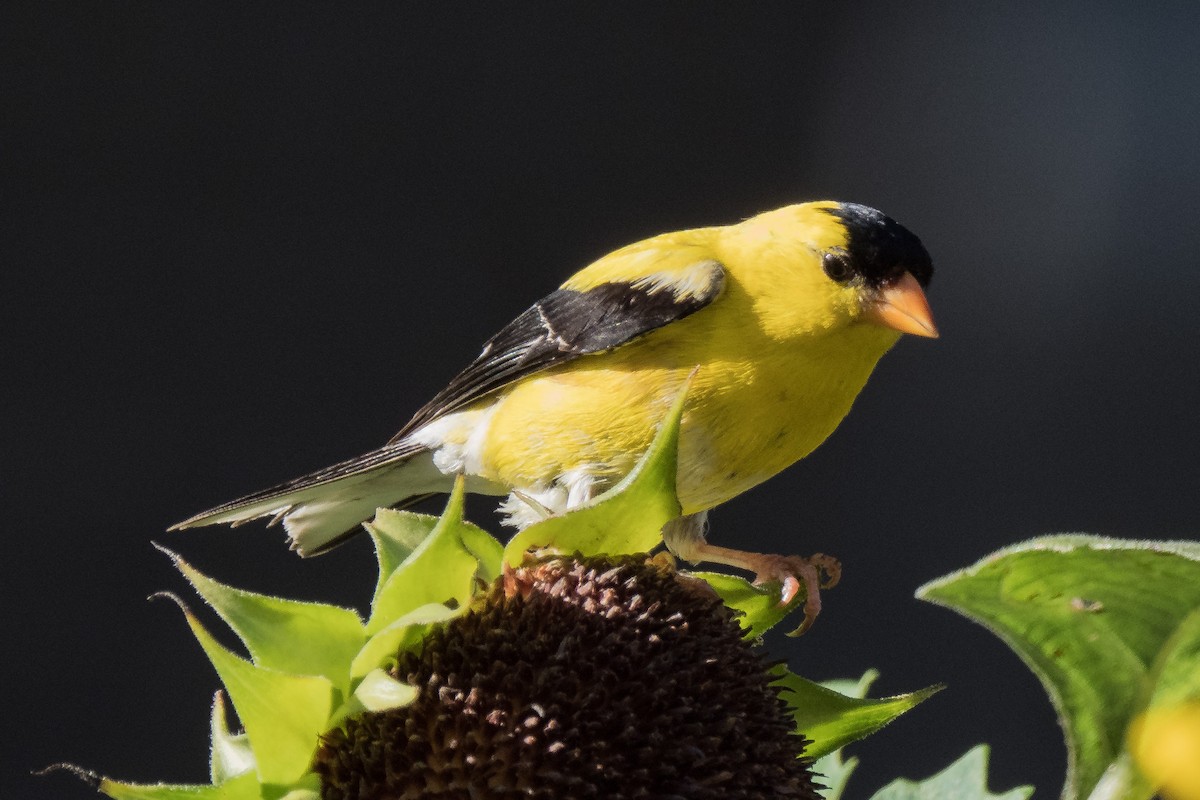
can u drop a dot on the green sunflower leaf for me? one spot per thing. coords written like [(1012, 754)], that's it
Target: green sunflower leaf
[(396, 534), (379, 691), (1092, 617), (760, 609), (285, 635), (299, 793), (1176, 673), (230, 754), (440, 570), (628, 518), (488, 551), (1163, 738), (243, 787), (283, 713), (834, 769), (401, 634), (832, 720), (965, 779)]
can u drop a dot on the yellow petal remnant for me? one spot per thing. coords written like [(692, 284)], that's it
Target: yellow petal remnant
[(1165, 742)]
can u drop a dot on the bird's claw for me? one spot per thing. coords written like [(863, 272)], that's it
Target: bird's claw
[(816, 572)]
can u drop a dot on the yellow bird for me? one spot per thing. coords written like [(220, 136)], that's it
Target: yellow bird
[(781, 317)]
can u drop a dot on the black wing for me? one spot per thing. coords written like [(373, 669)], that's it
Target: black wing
[(567, 324)]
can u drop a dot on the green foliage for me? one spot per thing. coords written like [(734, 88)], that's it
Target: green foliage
[(285, 635), (312, 664), (230, 754), (759, 608), (833, 720), (283, 712), (834, 768), (1110, 627), (1175, 674), (965, 779), (441, 570), (246, 787)]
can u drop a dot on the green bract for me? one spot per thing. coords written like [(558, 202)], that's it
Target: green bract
[(312, 666)]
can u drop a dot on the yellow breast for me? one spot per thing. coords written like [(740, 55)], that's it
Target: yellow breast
[(766, 393)]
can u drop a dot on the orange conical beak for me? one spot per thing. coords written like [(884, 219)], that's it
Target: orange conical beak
[(902, 306)]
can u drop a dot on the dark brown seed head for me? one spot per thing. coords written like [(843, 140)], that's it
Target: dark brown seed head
[(609, 678)]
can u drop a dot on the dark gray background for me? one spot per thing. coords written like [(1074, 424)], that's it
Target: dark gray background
[(241, 244)]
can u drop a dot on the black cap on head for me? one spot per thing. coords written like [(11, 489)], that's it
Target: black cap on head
[(879, 248)]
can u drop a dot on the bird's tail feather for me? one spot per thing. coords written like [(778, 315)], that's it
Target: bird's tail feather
[(322, 509)]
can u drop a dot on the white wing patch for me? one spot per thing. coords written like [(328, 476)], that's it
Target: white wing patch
[(697, 281)]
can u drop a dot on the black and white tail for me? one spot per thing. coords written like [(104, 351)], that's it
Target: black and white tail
[(322, 509)]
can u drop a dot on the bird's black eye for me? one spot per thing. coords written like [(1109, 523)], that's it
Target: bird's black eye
[(837, 267)]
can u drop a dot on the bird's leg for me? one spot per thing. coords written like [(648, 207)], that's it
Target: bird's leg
[(685, 537)]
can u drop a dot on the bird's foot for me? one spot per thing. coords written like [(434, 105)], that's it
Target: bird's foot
[(814, 573), (684, 536)]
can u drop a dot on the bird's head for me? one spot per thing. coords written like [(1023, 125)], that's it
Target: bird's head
[(848, 265)]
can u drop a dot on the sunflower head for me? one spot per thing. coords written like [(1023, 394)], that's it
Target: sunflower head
[(579, 677)]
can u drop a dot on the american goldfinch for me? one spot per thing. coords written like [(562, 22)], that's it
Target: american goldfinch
[(778, 320)]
